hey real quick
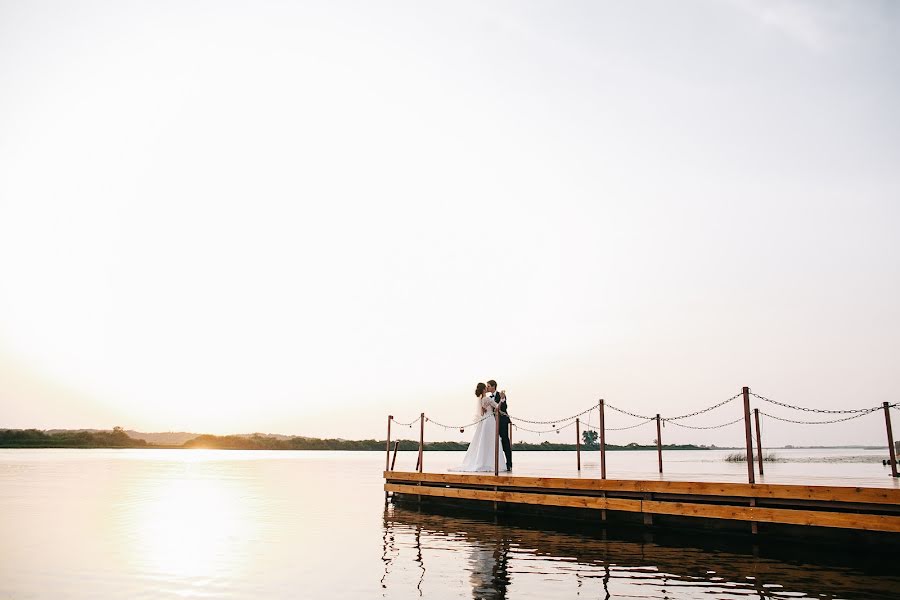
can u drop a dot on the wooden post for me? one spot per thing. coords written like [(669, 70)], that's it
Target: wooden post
[(890, 434), (658, 443), (602, 443), (578, 442), (749, 432), (496, 442), (394, 460), (759, 452), (421, 438), (387, 459), (510, 436)]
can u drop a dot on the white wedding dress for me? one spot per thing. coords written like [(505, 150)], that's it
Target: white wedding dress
[(480, 455)]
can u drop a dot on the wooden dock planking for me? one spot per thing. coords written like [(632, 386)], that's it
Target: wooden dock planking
[(724, 500), (699, 488)]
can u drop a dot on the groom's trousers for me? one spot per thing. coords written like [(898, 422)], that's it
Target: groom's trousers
[(504, 441)]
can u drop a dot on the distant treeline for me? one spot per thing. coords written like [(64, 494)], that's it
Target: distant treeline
[(34, 438), (117, 438)]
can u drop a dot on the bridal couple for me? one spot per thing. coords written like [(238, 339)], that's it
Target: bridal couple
[(480, 455)]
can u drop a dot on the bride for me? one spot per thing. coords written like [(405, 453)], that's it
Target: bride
[(480, 455)]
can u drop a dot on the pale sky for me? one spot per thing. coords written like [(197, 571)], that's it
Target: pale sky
[(300, 217)]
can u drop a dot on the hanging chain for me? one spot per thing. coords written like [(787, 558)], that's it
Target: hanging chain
[(700, 412), (569, 421), (553, 421), (853, 416), (621, 428), (816, 410), (625, 412), (709, 426), (430, 420), (557, 429)]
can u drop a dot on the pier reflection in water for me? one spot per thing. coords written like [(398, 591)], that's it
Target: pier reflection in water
[(447, 553)]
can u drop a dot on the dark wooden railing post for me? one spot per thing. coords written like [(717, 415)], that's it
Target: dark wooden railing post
[(759, 452), (387, 459), (510, 435), (658, 443), (749, 434), (602, 442), (394, 459), (421, 438), (578, 442), (496, 442), (890, 434)]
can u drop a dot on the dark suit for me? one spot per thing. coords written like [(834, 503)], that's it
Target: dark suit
[(504, 429)]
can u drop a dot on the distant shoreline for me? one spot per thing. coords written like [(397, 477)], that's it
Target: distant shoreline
[(119, 438)]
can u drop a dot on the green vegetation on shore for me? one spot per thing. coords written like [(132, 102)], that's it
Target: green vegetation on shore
[(118, 438), (35, 438)]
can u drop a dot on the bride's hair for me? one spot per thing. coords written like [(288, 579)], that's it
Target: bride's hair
[(479, 389)]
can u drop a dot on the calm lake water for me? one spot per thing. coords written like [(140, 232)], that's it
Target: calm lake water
[(257, 524)]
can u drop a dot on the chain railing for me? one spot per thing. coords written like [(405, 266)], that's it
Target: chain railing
[(738, 420), (558, 425), (556, 429), (815, 410), (704, 410), (553, 421), (460, 427), (840, 420), (625, 412), (591, 428)]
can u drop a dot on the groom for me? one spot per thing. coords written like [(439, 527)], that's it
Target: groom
[(504, 421)]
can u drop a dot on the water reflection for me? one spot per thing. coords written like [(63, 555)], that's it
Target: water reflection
[(489, 564), (515, 561), (186, 527)]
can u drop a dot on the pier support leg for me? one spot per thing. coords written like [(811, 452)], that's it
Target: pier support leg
[(387, 458), (421, 438), (602, 443), (496, 444), (394, 459), (748, 430), (578, 443), (753, 527), (759, 452), (658, 443), (890, 434)]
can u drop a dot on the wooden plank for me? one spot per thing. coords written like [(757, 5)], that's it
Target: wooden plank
[(709, 511), (700, 488), (786, 516), (518, 497)]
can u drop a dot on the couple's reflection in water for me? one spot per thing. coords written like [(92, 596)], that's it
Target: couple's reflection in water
[(435, 551), (487, 561), (489, 569)]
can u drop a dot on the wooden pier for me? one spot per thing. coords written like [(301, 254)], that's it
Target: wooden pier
[(690, 503)]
